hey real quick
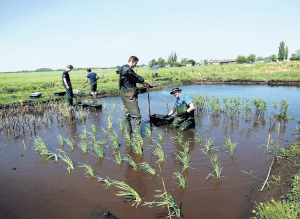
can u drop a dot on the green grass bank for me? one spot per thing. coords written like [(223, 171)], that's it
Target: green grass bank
[(16, 86)]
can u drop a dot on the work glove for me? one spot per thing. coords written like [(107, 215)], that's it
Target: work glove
[(182, 114), (166, 116)]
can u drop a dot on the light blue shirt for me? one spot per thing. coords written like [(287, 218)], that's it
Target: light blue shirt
[(182, 98)]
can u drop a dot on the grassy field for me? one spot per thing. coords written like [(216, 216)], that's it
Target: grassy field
[(16, 86)]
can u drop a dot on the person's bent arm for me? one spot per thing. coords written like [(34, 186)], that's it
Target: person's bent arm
[(191, 107), (65, 80), (145, 83), (85, 81)]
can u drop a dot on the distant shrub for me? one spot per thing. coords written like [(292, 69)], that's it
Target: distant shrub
[(48, 85)]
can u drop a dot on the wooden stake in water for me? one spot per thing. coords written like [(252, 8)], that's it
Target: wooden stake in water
[(24, 144), (278, 133), (162, 179), (268, 143)]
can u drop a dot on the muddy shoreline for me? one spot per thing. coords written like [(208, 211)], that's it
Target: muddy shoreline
[(158, 86)]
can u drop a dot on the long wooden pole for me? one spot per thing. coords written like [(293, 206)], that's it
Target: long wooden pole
[(268, 175)]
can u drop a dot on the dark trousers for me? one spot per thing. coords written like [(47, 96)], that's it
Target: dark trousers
[(69, 95), (130, 100)]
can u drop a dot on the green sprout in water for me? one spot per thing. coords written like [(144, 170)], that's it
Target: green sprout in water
[(164, 201), (84, 146), (186, 147), (121, 122), (105, 132), (182, 180), (109, 121), (61, 140), (158, 151), (137, 143), (114, 138), (98, 150), (178, 139), (104, 105), (145, 166), (94, 129), (184, 159), (160, 133), (89, 170), (148, 131), (231, 146), (208, 146), (84, 133), (107, 181), (127, 192), (70, 143), (217, 167), (66, 159), (118, 157), (198, 138), (131, 162)]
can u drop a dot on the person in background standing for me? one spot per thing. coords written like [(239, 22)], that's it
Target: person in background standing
[(67, 84), (93, 82)]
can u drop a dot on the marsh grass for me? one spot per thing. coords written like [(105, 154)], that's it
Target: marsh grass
[(158, 151), (131, 162), (148, 131), (184, 159), (118, 157), (198, 138), (70, 143), (217, 167), (41, 148), (84, 146), (160, 133), (182, 180), (127, 192), (209, 146), (178, 139), (186, 147), (105, 132), (107, 181), (98, 150), (89, 170), (114, 139), (127, 135), (94, 128), (63, 156), (145, 166), (104, 104), (137, 143), (121, 124), (230, 145), (109, 121), (84, 133), (164, 201), (61, 140)]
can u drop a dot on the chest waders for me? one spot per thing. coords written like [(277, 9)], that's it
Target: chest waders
[(69, 95), (130, 99), (183, 123)]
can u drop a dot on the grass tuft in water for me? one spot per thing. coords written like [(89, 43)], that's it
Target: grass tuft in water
[(61, 140), (217, 167), (160, 133), (109, 121), (145, 166), (178, 139), (105, 132), (127, 192), (89, 170), (66, 159), (148, 131), (182, 180), (84, 133), (164, 201), (184, 159), (98, 150), (70, 143), (121, 123), (114, 138), (137, 143), (40, 147), (186, 147), (118, 157), (131, 162), (158, 151), (107, 181), (208, 146), (94, 129), (84, 146), (231, 146)]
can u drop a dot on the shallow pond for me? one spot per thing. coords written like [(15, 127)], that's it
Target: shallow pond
[(40, 188)]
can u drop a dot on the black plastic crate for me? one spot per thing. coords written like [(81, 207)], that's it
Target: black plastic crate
[(157, 119), (35, 95), (95, 106), (61, 93)]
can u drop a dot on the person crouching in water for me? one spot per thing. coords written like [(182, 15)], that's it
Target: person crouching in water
[(67, 84), (93, 82), (127, 86), (184, 109)]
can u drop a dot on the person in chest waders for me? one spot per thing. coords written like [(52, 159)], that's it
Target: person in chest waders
[(184, 109), (67, 84), (129, 94)]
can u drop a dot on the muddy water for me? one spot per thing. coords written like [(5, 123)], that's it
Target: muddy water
[(41, 188)]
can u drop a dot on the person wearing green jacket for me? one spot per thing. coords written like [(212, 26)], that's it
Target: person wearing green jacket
[(184, 109)]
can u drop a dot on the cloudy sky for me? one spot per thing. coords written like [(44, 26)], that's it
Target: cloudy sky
[(96, 33)]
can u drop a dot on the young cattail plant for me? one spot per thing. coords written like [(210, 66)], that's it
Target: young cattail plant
[(148, 131), (127, 192), (114, 105), (230, 146), (70, 143), (131, 162), (166, 201), (158, 151), (89, 170), (67, 159), (105, 132), (208, 146), (114, 138), (160, 133), (184, 159), (182, 180), (217, 167), (94, 128), (118, 157), (104, 105), (198, 138), (84, 133), (84, 146), (98, 150), (178, 139), (109, 121), (147, 167), (61, 140), (186, 147), (121, 123), (137, 143), (107, 181)]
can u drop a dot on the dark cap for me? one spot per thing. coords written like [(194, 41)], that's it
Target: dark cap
[(175, 89)]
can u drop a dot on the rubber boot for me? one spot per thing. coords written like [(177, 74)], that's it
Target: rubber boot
[(95, 96)]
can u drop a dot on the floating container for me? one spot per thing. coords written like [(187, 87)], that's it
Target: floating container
[(157, 119), (154, 75), (60, 93), (77, 91), (35, 95), (95, 106)]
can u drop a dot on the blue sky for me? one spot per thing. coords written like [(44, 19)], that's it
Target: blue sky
[(95, 33)]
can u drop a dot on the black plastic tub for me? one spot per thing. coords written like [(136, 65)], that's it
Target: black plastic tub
[(95, 106), (157, 120), (61, 93), (35, 95)]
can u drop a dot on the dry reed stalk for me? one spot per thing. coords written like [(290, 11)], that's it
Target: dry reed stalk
[(278, 133), (162, 179), (268, 143), (24, 144), (268, 175)]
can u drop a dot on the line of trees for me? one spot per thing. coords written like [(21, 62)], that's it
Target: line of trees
[(172, 61), (295, 56)]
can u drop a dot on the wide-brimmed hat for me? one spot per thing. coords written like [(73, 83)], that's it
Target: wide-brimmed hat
[(175, 89)]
